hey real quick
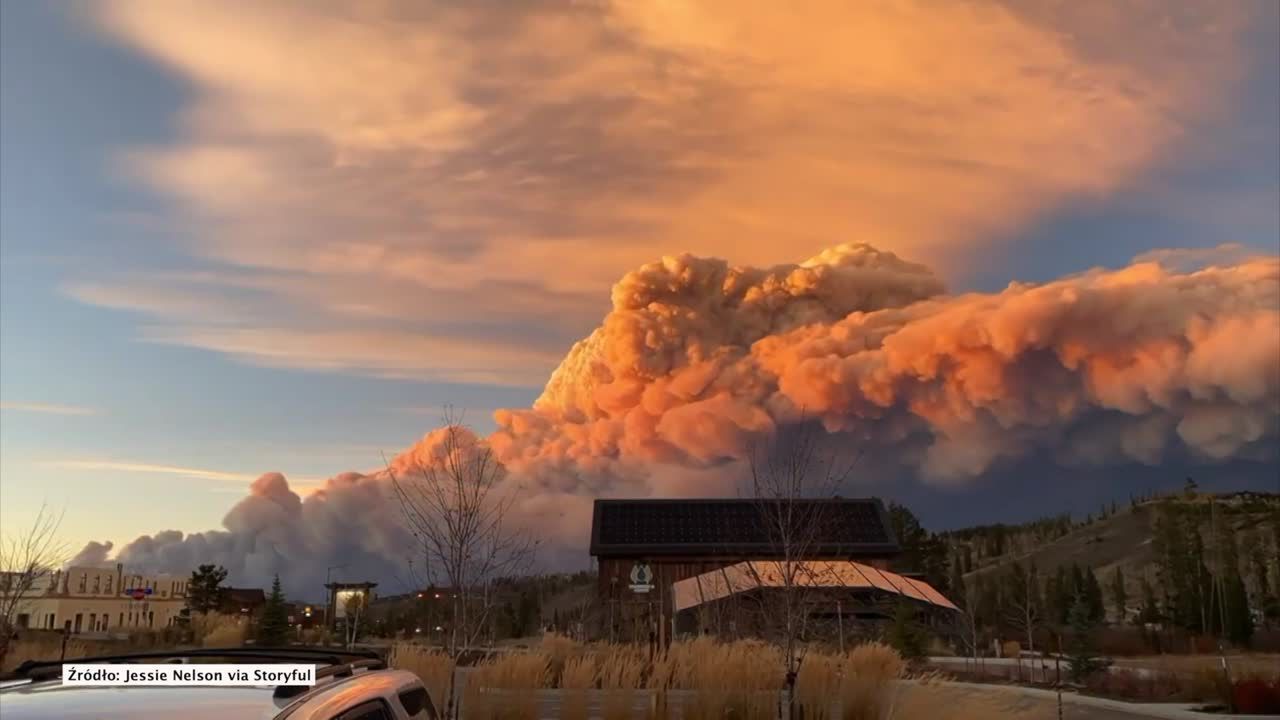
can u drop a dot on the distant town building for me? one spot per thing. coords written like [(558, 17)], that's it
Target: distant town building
[(103, 600), (242, 602)]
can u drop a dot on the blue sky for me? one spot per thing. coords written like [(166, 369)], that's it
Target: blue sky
[(162, 313)]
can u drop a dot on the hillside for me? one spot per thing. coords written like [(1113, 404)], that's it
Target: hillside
[(1121, 538)]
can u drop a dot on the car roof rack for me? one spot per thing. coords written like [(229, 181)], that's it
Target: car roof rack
[(337, 660), (344, 670)]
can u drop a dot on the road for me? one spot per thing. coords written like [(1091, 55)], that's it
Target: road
[(961, 701)]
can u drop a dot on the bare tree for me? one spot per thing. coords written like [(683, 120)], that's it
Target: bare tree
[(27, 560), (354, 608), (1024, 606), (457, 508), (790, 478)]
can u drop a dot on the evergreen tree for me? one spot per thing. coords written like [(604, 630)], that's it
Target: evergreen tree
[(1239, 629), (956, 587), (273, 628), (1118, 594), (1059, 594), (1150, 611), (1093, 595), (922, 551), (1258, 566), (204, 590), (905, 633), (1084, 660)]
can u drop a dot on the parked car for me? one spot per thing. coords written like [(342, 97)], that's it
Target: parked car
[(349, 686)]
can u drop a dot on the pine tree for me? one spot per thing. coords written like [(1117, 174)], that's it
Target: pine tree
[(1239, 629), (1150, 612), (204, 590), (273, 628), (1059, 595), (1093, 595), (1118, 594), (1085, 661), (905, 634), (956, 585)]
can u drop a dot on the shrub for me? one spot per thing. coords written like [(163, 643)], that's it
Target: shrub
[(1256, 696), (433, 667), (869, 682), (519, 675), (216, 630), (578, 677)]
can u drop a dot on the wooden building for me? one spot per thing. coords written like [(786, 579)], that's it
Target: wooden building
[(644, 547)]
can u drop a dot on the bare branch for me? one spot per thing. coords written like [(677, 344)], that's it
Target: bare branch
[(456, 505), (27, 561)]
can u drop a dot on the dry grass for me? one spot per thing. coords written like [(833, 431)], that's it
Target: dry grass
[(622, 670), (48, 646), (217, 630), (433, 667), (817, 684), (559, 650), (869, 682), (519, 677), (579, 677), (738, 680)]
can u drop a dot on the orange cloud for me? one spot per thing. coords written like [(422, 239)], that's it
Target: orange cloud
[(447, 150)]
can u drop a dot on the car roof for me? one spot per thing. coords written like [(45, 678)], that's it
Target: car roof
[(326, 701), (53, 699)]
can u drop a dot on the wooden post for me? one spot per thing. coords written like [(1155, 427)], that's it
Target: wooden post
[(840, 622)]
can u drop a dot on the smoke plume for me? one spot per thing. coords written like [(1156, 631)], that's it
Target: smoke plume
[(698, 359)]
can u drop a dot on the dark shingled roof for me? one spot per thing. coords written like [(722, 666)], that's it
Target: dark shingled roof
[(849, 528)]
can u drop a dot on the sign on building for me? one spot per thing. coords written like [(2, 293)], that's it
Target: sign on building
[(641, 577)]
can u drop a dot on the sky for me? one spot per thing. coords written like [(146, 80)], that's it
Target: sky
[(282, 237)]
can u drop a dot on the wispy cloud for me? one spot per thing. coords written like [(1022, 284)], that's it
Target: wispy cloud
[(118, 466), (48, 408), (445, 191)]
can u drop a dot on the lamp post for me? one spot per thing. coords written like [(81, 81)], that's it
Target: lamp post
[(327, 594)]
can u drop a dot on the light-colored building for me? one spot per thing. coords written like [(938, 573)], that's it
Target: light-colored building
[(103, 600)]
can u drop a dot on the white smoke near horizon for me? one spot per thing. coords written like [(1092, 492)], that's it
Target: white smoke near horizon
[(699, 359)]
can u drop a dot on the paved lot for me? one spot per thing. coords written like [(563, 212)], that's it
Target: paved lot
[(965, 702), (953, 702)]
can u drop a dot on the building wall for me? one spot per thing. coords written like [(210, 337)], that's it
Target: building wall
[(93, 599), (98, 614)]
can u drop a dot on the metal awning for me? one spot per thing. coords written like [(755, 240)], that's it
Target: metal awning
[(756, 574)]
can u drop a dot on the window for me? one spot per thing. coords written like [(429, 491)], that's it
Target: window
[(79, 621), (121, 619), (372, 710), (110, 579), (93, 622), (105, 619), (84, 579), (417, 704), (97, 584), (23, 620)]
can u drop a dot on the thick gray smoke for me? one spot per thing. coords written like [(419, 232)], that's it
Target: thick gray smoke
[(1144, 365)]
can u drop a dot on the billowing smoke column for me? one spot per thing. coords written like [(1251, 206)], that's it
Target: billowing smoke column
[(698, 359)]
